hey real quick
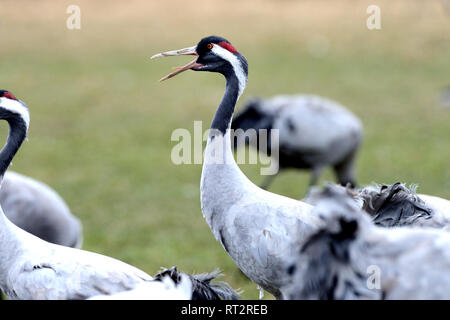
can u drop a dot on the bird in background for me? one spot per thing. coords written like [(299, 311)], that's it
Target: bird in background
[(258, 229), (33, 269), (444, 97), (34, 207), (352, 258), (314, 133)]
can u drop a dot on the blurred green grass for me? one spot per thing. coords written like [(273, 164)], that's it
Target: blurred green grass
[(101, 123)]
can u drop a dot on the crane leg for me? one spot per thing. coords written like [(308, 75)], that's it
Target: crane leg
[(267, 181), (345, 171), (315, 174)]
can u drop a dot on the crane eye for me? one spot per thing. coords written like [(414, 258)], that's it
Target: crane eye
[(209, 46)]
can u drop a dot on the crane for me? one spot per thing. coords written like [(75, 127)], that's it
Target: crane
[(35, 207), (31, 268), (258, 229), (352, 258), (314, 132)]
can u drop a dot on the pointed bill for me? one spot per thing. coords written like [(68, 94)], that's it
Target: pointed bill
[(186, 51)]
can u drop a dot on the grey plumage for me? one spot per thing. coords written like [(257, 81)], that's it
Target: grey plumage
[(169, 284), (31, 268), (202, 287), (322, 269), (314, 133), (394, 205), (36, 208), (162, 289), (30, 204), (258, 229), (351, 258)]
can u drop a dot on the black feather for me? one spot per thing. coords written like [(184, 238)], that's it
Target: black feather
[(394, 205), (202, 288)]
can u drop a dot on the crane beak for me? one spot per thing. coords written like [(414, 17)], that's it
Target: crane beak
[(186, 51)]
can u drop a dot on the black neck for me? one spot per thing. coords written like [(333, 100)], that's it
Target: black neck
[(224, 113), (17, 134)]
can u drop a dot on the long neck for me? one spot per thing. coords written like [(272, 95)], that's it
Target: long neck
[(10, 242), (224, 114), (17, 134), (222, 183)]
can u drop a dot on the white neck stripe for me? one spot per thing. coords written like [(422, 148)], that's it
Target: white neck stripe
[(16, 107), (235, 63)]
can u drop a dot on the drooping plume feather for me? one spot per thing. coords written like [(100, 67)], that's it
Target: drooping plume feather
[(394, 205), (202, 288)]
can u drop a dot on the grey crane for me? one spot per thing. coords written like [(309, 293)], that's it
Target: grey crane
[(34, 207), (314, 133), (258, 229), (31, 268), (352, 258)]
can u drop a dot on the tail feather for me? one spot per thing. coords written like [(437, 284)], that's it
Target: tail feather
[(202, 288), (394, 205)]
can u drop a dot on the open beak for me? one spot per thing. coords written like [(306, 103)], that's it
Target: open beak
[(186, 51)]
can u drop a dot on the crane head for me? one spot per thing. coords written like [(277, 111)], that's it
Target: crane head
[(10, 104), (214, 54), (7, 94)]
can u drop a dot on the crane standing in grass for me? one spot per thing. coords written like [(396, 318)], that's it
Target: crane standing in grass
[(258, 229), (35, 207), (31, 268), (314, 133)]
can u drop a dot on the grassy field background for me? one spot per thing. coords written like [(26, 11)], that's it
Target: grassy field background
[(101, 123)]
